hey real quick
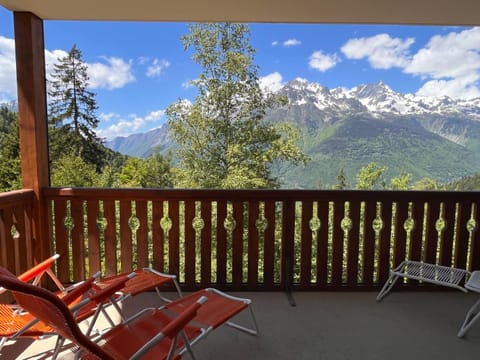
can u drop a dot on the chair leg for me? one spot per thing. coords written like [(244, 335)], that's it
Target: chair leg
[(58, 347), (387, 287), (188, 346), (472, 316), (252, 331)]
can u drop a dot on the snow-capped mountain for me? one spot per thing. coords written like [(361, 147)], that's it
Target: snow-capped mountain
[(377, 99)]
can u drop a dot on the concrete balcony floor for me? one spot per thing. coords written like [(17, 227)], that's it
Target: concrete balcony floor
[(327, 325)]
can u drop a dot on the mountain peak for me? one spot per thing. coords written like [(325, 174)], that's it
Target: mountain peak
[(372, 90)]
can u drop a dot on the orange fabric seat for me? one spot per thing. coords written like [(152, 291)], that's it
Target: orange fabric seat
[(218, 311)]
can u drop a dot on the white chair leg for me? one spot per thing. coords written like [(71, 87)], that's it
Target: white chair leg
[(387, 287), (472, 316)]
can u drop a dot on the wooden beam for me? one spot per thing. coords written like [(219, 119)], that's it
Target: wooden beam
[(32, 110)]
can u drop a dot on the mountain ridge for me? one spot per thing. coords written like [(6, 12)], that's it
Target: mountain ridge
[(348, 128)]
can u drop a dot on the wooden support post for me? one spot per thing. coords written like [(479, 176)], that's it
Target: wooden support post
[(32, 109)]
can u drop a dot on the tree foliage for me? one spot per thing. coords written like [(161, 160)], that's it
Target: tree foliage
[(401, 182), (71, 109), (10, 169), (369, 177), (72, 170), (153, 172), (224, 140)]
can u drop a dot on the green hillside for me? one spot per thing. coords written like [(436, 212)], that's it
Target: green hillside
[(400, 145)]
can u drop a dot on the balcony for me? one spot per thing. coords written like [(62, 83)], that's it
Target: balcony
[(327, 252)]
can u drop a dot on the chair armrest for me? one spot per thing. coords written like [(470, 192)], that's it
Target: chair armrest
[(80, 289), (105, 293), (173, 328), (38, 269)]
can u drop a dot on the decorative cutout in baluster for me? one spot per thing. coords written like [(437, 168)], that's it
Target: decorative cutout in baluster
[(440, 227), (314, 224), (134, 225), (14, 232), (346, 225), (472, 225), (377, 224), (409, 223), (408, 226), (261, 225), (377, 227), (198, 224), (68, 222), (102, 224), (229, 224), (166, 224)]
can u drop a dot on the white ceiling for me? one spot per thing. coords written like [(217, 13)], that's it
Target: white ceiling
[(435, 12)]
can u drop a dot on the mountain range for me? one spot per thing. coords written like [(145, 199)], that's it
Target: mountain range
[(345, 129)]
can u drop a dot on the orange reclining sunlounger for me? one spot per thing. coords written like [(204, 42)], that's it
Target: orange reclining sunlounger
[(151, 334), (16, 322)]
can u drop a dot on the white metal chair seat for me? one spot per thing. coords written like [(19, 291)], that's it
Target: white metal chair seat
[(473, 284), (425, 272)]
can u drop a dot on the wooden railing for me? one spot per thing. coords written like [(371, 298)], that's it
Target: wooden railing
[(262, 240), (16, 240)]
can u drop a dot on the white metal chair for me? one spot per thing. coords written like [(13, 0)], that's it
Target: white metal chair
[(425, 272), (473, 284)]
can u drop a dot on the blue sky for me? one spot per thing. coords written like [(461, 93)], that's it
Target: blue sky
[(138, 69)]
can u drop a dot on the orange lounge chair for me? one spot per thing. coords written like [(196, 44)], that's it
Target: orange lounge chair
[(151, 334), (16, 322), (219, 309)]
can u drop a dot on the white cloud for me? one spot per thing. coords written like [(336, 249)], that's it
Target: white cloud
[(381, 51), (462, 88), (133, 124), (272, 82), (157, 67), (188, 84), (274, 43), (108, 117), (322, 62), (113, 74), (8, 79), (452, 62), (291, 42)]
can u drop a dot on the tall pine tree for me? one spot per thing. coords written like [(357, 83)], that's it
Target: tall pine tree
[(72, 108)]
